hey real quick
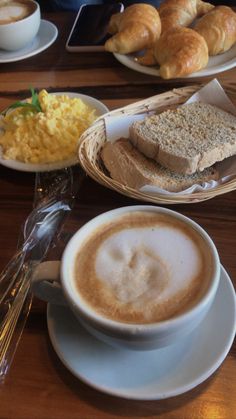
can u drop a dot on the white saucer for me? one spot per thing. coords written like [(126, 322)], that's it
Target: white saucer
[(46, 35), (149, 375), (216, 64)]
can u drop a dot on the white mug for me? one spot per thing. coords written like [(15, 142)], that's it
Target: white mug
[(17, 30), (178, 283)]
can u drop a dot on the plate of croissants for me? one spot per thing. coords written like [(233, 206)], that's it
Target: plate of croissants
[(182, 38)]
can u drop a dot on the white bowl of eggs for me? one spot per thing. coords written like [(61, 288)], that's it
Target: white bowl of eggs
[(42, 133)]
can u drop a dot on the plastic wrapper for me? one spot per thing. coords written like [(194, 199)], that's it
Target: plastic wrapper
[(54, 199)]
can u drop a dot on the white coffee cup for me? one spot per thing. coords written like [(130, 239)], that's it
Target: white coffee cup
[(173, 263), (19, 23)]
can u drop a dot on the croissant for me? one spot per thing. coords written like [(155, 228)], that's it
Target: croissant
[(179, 52), (175, 13), (218, 28), (138, 27)]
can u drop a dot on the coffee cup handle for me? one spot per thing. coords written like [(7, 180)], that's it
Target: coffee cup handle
[(45, 283)]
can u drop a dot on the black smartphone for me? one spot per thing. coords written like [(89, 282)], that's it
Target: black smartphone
[(89, 31)]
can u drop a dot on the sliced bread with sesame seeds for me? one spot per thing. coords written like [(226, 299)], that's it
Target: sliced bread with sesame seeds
[(128, 166), (188, 139)]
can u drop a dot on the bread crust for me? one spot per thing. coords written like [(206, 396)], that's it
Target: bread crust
[(131, 168)]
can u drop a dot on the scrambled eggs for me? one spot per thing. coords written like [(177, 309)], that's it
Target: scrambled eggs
[(47, 136)]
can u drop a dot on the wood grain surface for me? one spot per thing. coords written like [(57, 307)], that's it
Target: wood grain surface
[(38, 386)]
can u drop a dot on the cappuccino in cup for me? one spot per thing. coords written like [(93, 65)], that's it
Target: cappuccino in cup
[(143, 267), (19, 23), (138, 277), (12, 11)]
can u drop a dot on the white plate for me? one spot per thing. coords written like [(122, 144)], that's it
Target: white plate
[(215, 65), (149, 375), (46, 35), (46, 167)]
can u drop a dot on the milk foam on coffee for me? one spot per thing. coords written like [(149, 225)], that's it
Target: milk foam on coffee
[(143, 268), (12, 11)]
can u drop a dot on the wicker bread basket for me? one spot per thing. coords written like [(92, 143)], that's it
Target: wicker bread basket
[(93, 139)]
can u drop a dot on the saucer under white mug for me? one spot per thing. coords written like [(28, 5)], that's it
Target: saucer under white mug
[(45, 37), (147, 375)]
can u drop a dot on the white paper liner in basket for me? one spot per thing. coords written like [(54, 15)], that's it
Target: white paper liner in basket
[(212, 93)]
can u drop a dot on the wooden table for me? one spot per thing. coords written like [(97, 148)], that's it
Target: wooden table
[(38, 386)]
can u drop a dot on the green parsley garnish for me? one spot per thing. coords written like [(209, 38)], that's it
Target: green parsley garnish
[(34, 106)]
